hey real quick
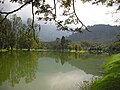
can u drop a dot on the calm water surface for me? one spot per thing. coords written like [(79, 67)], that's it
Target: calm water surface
[(47, 70)]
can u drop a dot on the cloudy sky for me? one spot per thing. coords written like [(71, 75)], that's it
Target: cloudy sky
[(89, 14)]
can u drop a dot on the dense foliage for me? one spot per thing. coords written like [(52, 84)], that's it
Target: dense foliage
[(111, 79), (67, 3), (114, 47), (15, 34)]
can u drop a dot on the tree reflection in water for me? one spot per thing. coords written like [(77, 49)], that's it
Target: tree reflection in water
[(15, 66), (19, 66), (90, 63)]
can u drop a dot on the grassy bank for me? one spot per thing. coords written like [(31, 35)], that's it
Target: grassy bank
[(44, 50), (111, 78)]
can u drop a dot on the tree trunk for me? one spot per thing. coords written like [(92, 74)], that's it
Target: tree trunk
[(11, 48), (29, 49)]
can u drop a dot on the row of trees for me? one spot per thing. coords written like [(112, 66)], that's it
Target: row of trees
[(64, 44), (115, 46), (61, 44), (93, 47), (15, 34)]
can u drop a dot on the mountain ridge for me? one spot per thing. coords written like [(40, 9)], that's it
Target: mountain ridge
[(100, 33)]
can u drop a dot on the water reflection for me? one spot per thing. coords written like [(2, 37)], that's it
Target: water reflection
[(16, 66), (46, 71), (69, 80), (90, 63)]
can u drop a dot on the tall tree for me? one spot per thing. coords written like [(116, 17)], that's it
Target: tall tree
[(63, 43), (17, 28), (7, 35), (14, 33), (26, 39)]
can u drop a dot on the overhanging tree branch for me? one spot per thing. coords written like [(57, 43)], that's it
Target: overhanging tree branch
[(55, 10), (4, 18), (78, 17), (54, 15), (33, 19), (7, 13)]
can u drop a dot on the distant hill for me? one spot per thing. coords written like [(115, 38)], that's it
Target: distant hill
[(50, 33), (100, 33)]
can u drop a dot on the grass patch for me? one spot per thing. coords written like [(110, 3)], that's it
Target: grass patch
[(3, 50), (111, 78)]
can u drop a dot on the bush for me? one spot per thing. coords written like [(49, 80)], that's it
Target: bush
[(111, 78)]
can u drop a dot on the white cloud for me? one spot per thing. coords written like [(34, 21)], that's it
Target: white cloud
[(95, 14), (5, 6)]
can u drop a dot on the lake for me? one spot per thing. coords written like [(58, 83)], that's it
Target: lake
[(48, 70)]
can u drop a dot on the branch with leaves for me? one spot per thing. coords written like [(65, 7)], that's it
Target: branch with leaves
[(33, 19), (8, 13), (78, 17), (49, 13)]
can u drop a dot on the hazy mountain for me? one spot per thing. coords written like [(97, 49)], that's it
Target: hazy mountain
[(50, 33), (101, 33)]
